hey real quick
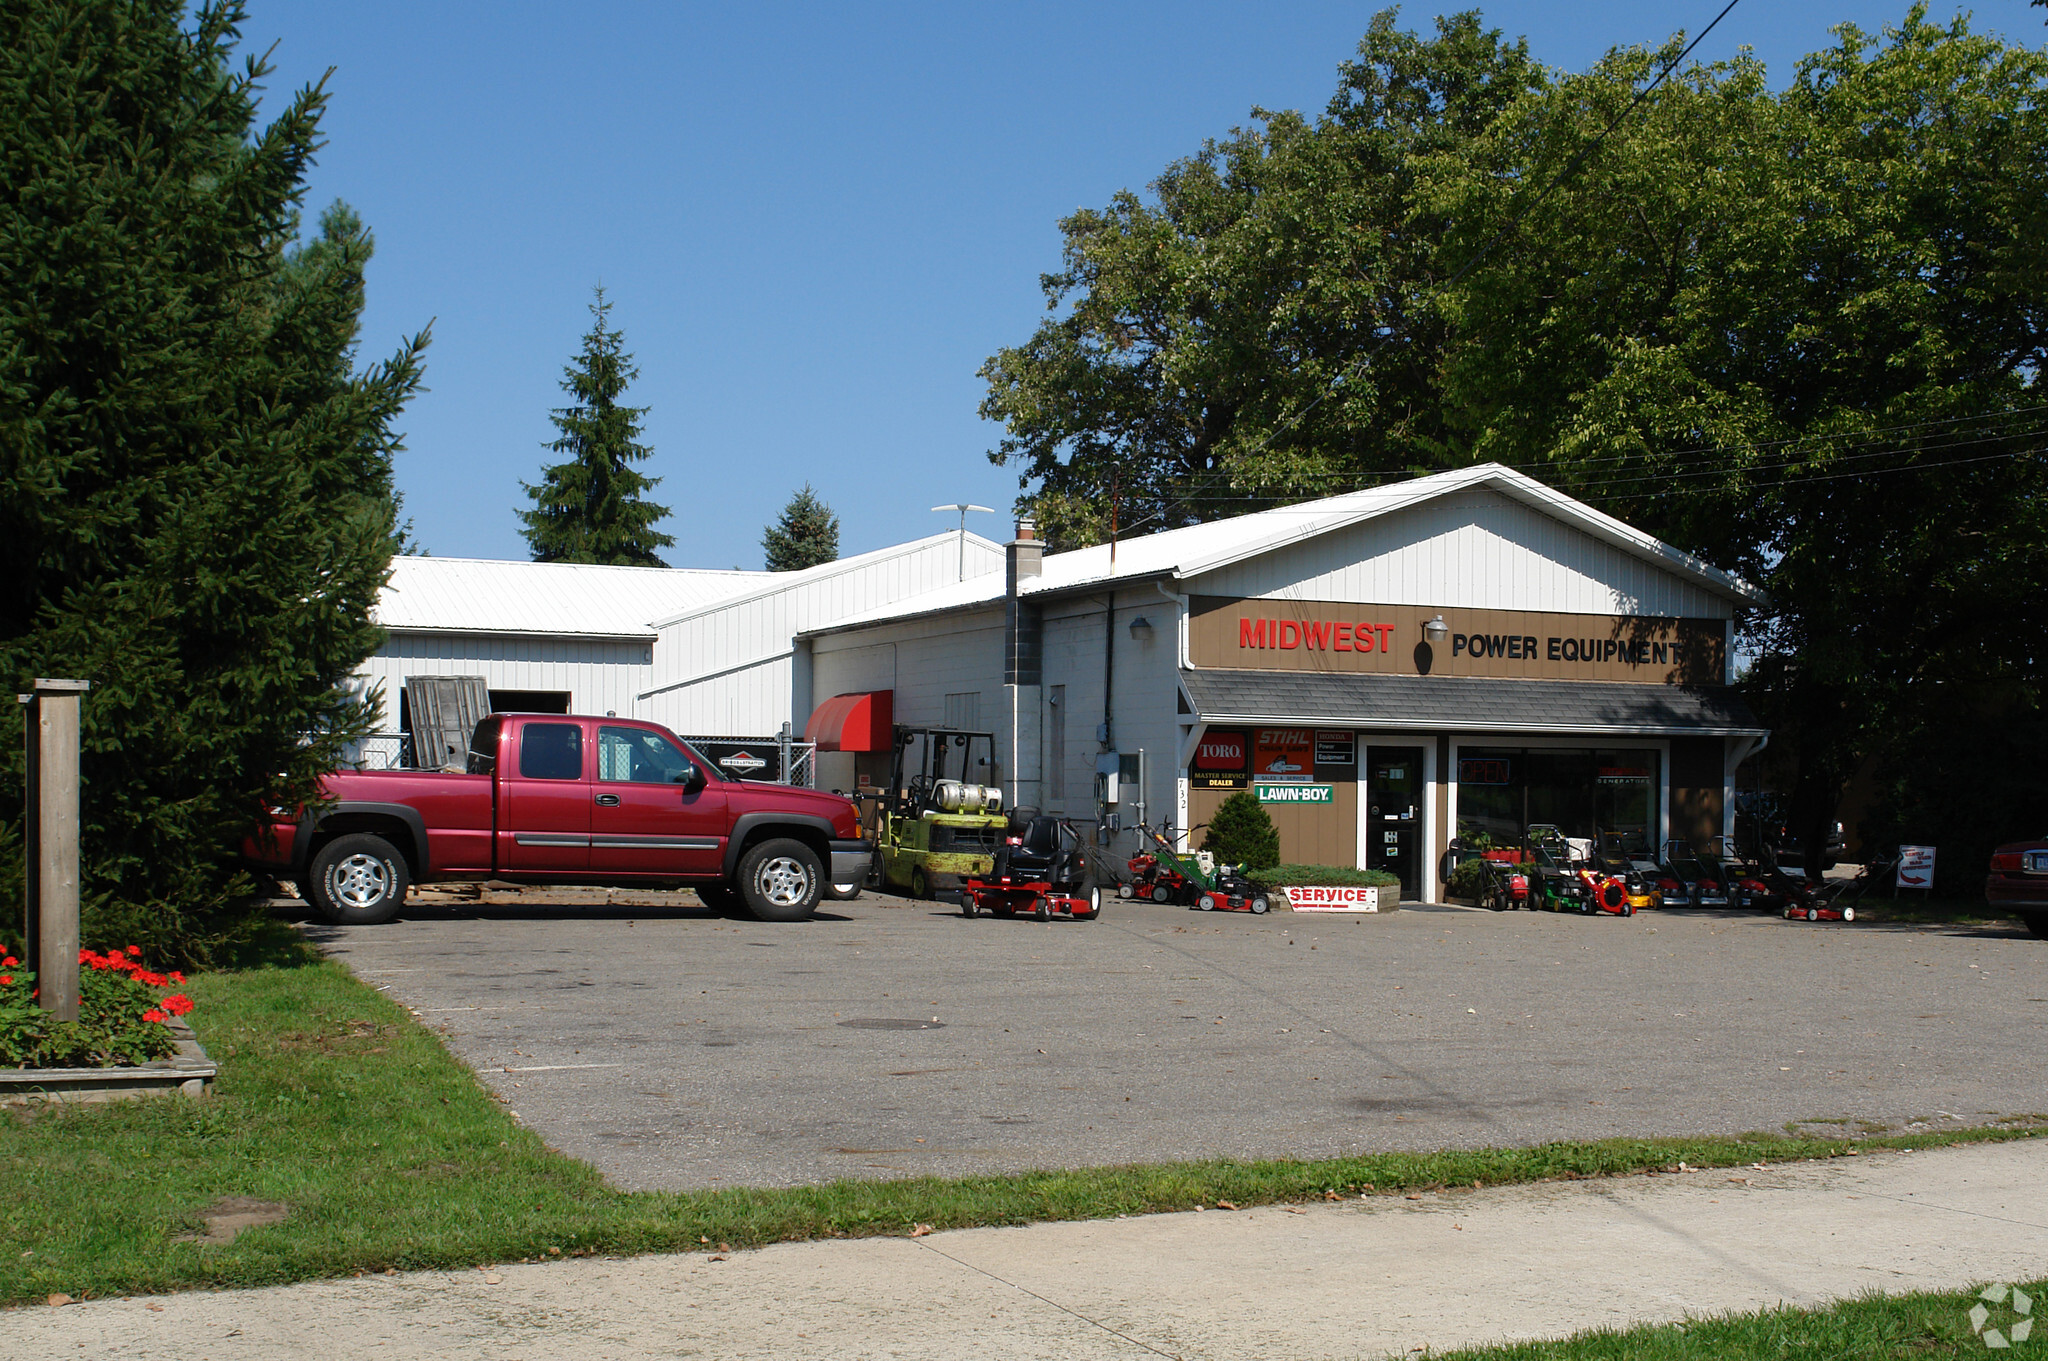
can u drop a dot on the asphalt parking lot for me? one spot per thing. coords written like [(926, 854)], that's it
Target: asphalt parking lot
[(675, 1048)]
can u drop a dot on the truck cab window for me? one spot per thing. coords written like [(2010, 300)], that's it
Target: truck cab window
[(551, 751), (637, 756)]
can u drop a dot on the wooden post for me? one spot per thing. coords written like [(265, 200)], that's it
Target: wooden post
[(52, 842)]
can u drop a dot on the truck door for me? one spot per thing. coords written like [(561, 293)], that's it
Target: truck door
[(643, 819), (544, 799)]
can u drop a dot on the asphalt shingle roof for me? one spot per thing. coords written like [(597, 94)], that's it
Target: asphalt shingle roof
[(1466, 703)]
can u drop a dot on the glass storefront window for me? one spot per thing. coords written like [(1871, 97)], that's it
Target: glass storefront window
[(1584, 792)]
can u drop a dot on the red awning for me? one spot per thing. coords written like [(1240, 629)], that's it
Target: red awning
[(858, 722)]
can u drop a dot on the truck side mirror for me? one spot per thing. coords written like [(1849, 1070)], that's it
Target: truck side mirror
[(692, 779)]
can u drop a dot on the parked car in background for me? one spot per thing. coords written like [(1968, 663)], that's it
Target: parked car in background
[(562, 799), (2018, 882)]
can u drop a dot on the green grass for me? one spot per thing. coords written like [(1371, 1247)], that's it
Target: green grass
[(1873, 1328), (390, 1153)]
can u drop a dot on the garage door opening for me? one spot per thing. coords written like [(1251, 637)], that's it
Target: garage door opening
[(529, 701)]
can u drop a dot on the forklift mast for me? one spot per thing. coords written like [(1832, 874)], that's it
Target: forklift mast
[(941, 754)]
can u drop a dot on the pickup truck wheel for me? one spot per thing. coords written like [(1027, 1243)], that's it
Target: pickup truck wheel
[(358, 880), (780, 880)]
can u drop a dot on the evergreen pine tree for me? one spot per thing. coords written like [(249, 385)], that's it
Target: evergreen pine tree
[(806, 534), (589, 508), (1241, 833), (196, 502)]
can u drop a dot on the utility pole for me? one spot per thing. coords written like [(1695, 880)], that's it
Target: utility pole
[(51, 930), (963, 508)]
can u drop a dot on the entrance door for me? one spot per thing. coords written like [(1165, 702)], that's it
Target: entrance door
[(1394, 814)]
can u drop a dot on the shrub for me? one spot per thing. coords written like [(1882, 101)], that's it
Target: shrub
[(1335, 876), (1241, 833), (1469, 879), (122, 1010)]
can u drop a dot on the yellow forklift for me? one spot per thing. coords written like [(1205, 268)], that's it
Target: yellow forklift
[(937, 822)]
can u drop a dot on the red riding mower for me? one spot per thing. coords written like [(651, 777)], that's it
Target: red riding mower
[(1193, 877), (1041, 870), (1150, 879)]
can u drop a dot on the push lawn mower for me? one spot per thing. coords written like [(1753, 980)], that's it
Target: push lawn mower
[(1626, 856), (1701, 887), (1168, 875), (1743, 886), (1561, 885), (1507, 885), (1834, 900), (1041, 870)]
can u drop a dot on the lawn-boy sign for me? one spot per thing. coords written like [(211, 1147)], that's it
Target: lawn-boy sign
[(1295, 793), (1331, 898)]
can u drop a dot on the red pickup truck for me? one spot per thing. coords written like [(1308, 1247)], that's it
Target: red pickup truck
[(552, 799)]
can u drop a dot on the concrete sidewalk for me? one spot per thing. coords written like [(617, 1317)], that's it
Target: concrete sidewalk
[(1357, 1279)]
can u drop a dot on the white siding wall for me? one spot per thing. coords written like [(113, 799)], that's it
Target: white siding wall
[(1147, 688), (600, 676), (922, 661), (1473, 550), (726, 668)]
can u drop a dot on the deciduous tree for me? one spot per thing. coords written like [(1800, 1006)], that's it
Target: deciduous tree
[(1798, 332)]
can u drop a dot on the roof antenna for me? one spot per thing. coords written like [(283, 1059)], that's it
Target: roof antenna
[(963, 508)]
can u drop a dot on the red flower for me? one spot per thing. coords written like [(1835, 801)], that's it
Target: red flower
[(177, 977), (150, 980), (10, 961), (135, 949), (178, 1005), (6, 980), (154, 1015)]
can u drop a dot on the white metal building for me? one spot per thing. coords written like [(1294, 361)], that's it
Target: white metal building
[(701, 651), (1418, 658)]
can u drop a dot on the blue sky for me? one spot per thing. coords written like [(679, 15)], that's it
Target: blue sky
[(815, 221)]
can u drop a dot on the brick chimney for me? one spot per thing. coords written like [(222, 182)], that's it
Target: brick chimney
[(1023, 557)]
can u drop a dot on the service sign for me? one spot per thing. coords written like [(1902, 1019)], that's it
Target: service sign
[(1331, 898), (1916, 867), (1282, 755), (1295, 793)]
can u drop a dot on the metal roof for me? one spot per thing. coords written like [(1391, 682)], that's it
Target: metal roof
[(1467, 704), (1186, 552), (479, 595), (986, 557)]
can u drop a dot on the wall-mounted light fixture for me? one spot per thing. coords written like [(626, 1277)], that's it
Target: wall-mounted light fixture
[(1436, 630), (1141, 629)]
